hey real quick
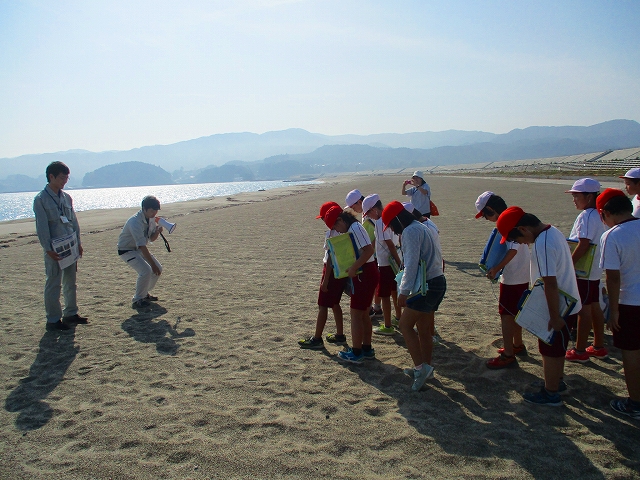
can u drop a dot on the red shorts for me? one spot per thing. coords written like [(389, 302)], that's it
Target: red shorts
[(335, 288), (386, 282), (559, 346), (364, 286), (589, 291), (510, 297), (628, 337)]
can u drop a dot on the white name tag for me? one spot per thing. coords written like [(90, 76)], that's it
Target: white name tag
[(64, 219)]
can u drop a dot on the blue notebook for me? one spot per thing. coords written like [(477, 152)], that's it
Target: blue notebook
[(493, 253)]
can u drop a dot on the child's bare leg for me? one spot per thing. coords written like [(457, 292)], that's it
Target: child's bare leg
[(425, 334), (597, 319), (323, 313), (357, 327), (337, 315), (553, 372), (386, 310), (367, 327), (407, 322), (508, 332), (394, 296), (584, 327)]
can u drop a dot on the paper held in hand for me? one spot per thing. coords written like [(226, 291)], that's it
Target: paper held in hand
[(67, 248), (343, 253), (584, 265), (533, 313)]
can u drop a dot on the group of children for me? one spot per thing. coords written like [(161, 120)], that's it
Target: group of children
[(604, 230)]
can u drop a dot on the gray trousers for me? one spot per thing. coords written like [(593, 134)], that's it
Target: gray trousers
[(56, 278), (146, 278)]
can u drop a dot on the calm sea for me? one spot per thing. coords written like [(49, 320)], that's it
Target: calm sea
[(14, 206)]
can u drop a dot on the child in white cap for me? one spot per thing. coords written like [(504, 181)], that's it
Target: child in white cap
[(385, 246), (419, 193), (587, 230), (620, 247), (632, 186), (514, 281)]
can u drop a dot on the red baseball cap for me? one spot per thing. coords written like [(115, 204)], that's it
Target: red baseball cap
[(325, 208), (604, 197), (508, 220), (390, 212), (331, 216)]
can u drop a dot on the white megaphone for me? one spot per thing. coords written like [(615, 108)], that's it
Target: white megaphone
[(170, 227)]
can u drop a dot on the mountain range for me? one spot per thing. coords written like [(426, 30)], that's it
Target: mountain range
[(285, 153)]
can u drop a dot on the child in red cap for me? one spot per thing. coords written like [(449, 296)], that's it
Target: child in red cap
[(620, 247), (364, 285), (587, 230), (418, 245), (550, 261), (329, 295)]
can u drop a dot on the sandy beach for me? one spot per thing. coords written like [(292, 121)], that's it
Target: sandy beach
[(210, 382)]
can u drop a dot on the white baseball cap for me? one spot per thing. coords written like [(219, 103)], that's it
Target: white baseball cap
[(369, 201), (481, 202), (585, 185), (352, 197), (418, 173), (408, 206), (633, 173)]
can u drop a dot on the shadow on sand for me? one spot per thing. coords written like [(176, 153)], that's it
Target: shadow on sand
[(56, 352)]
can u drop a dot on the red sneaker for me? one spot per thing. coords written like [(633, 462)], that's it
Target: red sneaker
[(600, 353), (573, 356), (519, 350), (501, 361)]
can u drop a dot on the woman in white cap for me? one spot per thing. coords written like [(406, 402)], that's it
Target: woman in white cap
[(419, 193), (632, 186)]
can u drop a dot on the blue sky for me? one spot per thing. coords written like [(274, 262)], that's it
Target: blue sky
[(116, 75)]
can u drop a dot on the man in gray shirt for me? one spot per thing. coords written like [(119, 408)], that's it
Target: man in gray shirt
[(55, 218)]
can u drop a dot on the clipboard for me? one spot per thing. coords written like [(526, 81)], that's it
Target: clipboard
[(585, 264), (494, 252), (533, 311), (343, 253)]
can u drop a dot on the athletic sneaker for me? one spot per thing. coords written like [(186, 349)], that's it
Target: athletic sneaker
[(337, 339), (624, 407), (563, 389), (574, 356), (349, 356), (600, 353), (501, 361), (543, 397), (369, 354), (409, 372), (519, 350), (395, 322), (382, 330), (421, 376), (374, 312), (311, 343), (142, 303)]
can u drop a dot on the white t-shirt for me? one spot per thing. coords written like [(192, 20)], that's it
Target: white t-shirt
[(517, 271), (621, 251), (589, 225), (361, 237), (382, 249), (635, 201), (551, 257)]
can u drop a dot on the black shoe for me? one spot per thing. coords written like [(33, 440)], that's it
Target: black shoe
[(143, 303), (75, 319), (52, 327), (151, 298)]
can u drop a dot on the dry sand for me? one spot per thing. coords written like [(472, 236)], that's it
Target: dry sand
[(210, 383)]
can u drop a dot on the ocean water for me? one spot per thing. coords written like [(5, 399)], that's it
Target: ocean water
[(15, 206)]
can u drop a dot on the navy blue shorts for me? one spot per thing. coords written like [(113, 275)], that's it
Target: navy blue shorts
[(431, 301)]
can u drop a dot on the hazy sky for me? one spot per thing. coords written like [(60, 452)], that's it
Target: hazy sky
[(115, 75)]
